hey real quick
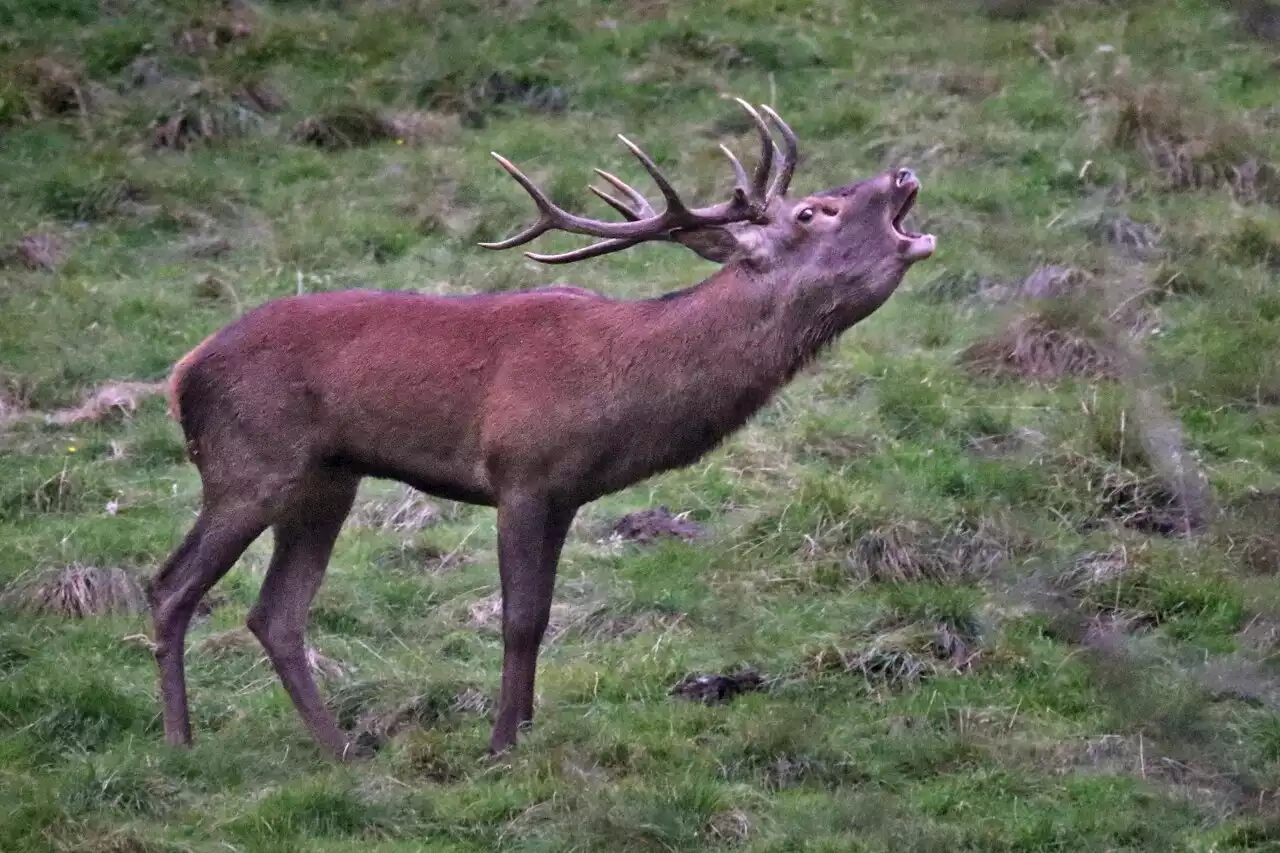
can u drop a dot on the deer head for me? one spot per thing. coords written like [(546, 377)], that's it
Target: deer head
[(851, 234)]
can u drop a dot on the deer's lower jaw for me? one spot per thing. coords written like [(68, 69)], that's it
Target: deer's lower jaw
[(916, 247)]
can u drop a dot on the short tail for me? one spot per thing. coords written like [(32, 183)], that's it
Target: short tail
[(178, 376)]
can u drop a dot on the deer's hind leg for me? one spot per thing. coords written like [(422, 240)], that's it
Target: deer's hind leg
[(220, 535), (304, 540)]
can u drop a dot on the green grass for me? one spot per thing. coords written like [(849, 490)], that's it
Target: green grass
[(893, 506)]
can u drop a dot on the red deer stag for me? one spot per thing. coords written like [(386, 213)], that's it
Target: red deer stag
[(533, 402)]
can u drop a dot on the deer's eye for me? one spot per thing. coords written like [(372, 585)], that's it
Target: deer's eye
[(805, 214)]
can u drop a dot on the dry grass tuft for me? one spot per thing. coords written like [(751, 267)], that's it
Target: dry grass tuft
[(78, 591), (1039, 346), (260, 96), (910, 551), (407, 512), (379, 709), (1015, 10), (354, 127), (905, 654), (238, 642), (730, 827), (36, 252), (1140, 501), (1191, 146), (593, 621), (107, 401)]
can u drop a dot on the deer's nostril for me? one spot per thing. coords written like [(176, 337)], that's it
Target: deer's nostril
[(905, 175)]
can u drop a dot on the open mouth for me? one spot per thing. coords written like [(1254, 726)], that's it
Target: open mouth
[(901, 215)]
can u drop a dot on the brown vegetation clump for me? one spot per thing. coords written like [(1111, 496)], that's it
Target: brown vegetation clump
[(1193, 148), (380, 709), (1138, 500), (355, 127), (209, 33), (78, 591), (1036, 346), (107, 401), (909, 551), (593, 621), (203, 116), (52, 87), (36, 252), (260, 96), (646, 525)]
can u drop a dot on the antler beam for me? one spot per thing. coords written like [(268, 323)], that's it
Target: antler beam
[(750, 201)]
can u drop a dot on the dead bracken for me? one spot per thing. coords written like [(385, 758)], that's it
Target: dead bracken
[(910, 551), (1034, 347), (78, 591)]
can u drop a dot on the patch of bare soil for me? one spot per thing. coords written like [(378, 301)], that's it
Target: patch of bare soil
[(78, 591), (1035, 347), (107, 401), (354, 127), (647, 525), (906, 551), (717, 689), (36, 252)]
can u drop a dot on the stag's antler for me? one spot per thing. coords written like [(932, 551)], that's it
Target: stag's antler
[(750, 201)]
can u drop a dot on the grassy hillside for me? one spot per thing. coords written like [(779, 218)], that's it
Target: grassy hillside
[(999, 573)]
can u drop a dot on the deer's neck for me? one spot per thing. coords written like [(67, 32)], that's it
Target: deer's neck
[(721, 350)]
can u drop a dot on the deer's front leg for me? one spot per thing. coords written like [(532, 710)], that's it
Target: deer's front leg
[(531, 533)]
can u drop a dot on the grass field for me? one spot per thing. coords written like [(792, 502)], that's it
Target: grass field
[(1004, 560)]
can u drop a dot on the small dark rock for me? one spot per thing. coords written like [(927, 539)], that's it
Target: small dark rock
[(713, 689)]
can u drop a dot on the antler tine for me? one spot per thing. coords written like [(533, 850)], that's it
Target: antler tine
[(674, 203), (761, 179), (546, 219), (642, 207), (604, 247), (790, 154)]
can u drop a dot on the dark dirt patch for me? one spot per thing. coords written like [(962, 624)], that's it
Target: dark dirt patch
[(1259, 18), (716, 689), (647, 525), (910, 551), (36, 252), (1015, 10), (78, 591), (1039, 347)]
